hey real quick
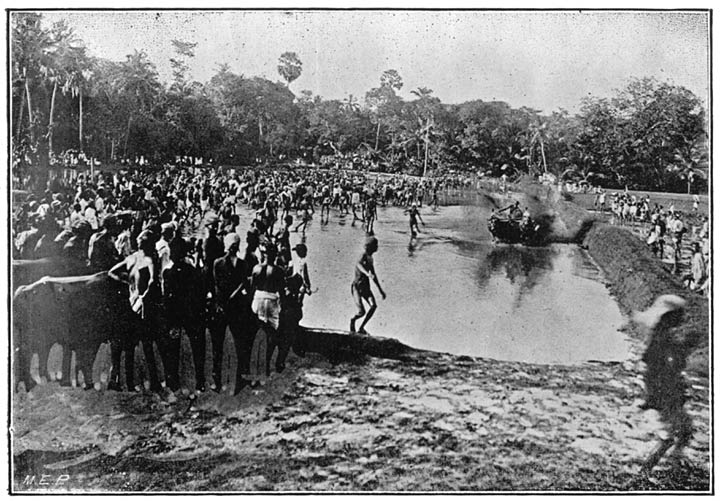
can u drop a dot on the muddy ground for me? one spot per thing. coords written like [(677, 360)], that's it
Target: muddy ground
[(428, 422), (419, 421)]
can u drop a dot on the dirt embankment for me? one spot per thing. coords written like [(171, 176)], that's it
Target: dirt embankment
[(637, 277)]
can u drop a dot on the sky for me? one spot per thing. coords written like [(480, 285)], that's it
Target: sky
[(543, 60)]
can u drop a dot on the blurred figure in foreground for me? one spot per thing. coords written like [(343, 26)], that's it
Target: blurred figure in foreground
[(665, 357)]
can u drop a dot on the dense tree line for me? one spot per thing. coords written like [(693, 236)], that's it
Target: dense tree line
[(650, 135)]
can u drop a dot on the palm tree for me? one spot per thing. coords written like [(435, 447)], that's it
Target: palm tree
[(289, 67), (75, 73), (583, 175), (426, 131), (380, 98), (183, 51), (53, 75), (538, 135), (138, 81), (106, 85), (80, 84), (59, 66), (29, 46), (688, 162), (426, 113), (350, 104)]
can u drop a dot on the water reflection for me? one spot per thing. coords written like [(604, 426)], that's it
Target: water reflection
[(419, 244), (521, 266)]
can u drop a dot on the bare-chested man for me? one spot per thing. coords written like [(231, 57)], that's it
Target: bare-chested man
[(361, 291), (267, 280), (414, 216), (305, 214), (370, 215)]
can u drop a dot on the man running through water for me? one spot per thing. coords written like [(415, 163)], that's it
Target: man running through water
[(364, 272), (370, 215), (414, 216), (355, 202), (326, 202), (305, 216)]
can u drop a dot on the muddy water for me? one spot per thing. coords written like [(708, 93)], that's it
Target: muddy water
[(452, 290)]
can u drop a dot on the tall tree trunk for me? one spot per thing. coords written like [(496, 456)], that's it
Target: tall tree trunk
[(30, 112), (112, 149), (80, 133), (20, 117), (260, 130), (127, 136), (542, 150), (51, 122), (426, 156), (377, 136)]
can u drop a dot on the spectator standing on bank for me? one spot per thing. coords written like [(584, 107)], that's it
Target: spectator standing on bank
[(184, 307), (231, 286)]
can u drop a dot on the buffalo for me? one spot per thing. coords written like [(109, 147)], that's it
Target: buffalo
[(79, 313)]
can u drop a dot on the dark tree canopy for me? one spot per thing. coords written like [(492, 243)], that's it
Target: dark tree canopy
[(648, 134), (289, 67)]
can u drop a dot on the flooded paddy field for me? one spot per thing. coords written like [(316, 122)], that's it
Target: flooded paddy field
[(453, 290)]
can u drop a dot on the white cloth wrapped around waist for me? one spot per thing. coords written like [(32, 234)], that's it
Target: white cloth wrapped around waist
[(266, 305)]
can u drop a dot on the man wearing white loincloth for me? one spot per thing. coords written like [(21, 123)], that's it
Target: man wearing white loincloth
[(267, 280)]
